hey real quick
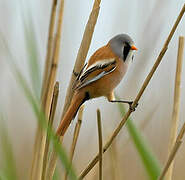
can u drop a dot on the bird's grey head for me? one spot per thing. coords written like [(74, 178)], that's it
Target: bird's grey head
[(122, 45)]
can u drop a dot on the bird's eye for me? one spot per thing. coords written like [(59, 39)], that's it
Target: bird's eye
[(126, 50)]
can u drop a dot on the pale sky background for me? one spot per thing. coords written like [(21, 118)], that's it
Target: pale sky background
[(148, 23)]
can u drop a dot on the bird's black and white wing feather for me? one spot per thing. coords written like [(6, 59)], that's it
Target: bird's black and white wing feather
[(83, 79)]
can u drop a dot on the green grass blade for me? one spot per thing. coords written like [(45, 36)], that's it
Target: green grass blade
[(42, 121), (33, 57), (148, 158), (9, 167), (39, 113), (56, 174)]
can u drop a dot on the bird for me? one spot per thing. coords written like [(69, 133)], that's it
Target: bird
[(100, 76)]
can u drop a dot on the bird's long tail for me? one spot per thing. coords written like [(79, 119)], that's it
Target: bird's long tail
[(77, 100)]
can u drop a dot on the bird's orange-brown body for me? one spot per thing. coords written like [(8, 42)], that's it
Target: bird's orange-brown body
[(101, 87), (105, 85)]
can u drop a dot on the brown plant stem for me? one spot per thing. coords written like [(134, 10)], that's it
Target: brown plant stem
[(82, 53), (55, 60), (46, 103), (147, 80), (45, 79), (100, 144), (75, 136), (49, 48), (50, 123), (173, 144)]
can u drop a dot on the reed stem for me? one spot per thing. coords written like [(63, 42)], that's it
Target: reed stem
[(173, 143), (50, 123), (100, 144), (44, 83), (46, 103), (82, 52)]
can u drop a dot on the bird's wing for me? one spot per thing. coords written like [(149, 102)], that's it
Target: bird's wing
[(94, 72), (78, 76)]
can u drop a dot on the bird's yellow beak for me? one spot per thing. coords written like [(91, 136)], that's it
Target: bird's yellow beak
[(133, 47)]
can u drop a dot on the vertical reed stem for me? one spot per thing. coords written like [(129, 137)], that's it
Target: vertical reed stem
[(49, 48), (173, 145), (100, 144), (83, 50), (44, 83), (50, 123), (46, 103)]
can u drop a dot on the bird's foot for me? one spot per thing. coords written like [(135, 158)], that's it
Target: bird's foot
[(132, 109), (127, 102)]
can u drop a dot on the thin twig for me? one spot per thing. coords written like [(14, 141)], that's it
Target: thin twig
[(100, 144), (46, 103), (172, 148), (75, 136), (147, 80), (45, 79), (82, 53), (50, 123)]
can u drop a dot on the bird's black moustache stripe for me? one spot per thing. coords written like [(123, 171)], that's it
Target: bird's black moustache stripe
[(126, 51)]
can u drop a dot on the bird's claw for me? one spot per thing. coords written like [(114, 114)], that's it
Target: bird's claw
[(132, 109)]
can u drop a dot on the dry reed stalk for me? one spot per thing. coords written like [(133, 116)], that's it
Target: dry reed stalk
[(49, 48), (176, 105), (75, 136), (48, 93), (147, 80), (100, 144), (82, 53), (45, 79), (50, 123), (168, 170), (55, 60)]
